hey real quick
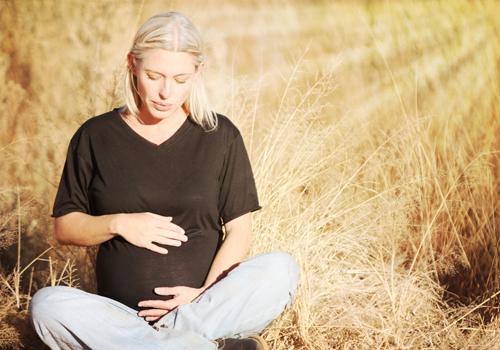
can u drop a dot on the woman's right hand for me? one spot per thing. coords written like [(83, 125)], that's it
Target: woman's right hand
[(142, 229)]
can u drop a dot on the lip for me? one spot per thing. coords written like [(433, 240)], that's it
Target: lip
[(162, 106)]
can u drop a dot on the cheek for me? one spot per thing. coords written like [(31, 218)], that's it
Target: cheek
[(183, 91), (146, 87)]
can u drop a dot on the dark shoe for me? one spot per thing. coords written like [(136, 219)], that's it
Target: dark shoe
[(253, 342)]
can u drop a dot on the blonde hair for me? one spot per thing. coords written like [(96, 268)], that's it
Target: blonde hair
[(174, 32)]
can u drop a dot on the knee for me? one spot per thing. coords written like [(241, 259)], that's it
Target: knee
[(280, 268), (47, 302)]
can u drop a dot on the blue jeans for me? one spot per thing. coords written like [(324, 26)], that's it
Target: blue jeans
[(243, 302)]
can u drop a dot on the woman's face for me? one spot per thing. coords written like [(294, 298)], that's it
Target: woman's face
[(164, 80)]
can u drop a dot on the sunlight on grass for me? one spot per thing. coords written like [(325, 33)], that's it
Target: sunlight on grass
[(373, 133)]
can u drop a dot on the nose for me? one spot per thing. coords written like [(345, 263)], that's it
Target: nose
[(165, 89)]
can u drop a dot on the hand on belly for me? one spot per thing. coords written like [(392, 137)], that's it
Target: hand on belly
[(158, 308)]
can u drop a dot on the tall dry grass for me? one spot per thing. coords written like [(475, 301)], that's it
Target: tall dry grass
[(373, 131)]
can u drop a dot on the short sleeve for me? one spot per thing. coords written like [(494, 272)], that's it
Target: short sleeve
[(238, 193), (72, 193)]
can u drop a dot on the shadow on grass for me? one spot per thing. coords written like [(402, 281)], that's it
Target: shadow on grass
[(26, 337)]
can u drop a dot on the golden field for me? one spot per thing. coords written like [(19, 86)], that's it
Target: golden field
[(374, 133)]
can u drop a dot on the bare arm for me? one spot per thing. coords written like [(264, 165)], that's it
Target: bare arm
[(234, 249), (82, 229), (140, 229)]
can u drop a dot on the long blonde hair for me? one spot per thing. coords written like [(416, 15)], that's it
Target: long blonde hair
[(174, 32)]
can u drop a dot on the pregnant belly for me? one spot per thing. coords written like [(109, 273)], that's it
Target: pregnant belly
[(129, 274)]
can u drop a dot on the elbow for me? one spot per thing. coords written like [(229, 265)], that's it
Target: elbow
[(242, 239), (59, 231)]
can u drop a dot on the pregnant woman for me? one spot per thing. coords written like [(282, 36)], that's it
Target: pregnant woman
[(164, 186)]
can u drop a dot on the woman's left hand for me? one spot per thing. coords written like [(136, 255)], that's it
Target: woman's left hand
[(182, 295)]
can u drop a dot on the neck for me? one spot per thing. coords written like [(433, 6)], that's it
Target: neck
[(143, 119)]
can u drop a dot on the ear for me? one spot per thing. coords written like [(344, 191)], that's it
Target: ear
[(131, 63), (200, 68)]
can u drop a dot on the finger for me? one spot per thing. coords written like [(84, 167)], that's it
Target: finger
[(150, 318), (167, 241), (171, 227), (155, 248), (159, 304), (166, 232), (152, 312), (166, 290), (161, 217)]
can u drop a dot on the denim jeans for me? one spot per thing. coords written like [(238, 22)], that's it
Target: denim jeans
[(242, 303)]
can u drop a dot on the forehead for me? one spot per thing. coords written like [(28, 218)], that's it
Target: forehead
[(167, 62)]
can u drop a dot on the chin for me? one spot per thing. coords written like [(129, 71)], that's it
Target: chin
[(160, 114)]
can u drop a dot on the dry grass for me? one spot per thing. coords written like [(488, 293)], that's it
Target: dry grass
[(373, 130)]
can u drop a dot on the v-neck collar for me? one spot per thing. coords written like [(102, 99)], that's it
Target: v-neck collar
[(174, 138)]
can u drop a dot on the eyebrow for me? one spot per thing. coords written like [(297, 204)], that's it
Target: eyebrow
[(177, 75)]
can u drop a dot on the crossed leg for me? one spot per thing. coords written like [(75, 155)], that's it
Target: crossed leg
[(243, 302)]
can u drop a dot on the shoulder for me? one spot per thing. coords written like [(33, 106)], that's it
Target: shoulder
[(98, 122), (226, 128), (95, 126), (220, 139)]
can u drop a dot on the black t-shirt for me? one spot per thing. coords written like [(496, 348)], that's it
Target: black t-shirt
[(201, 179)]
